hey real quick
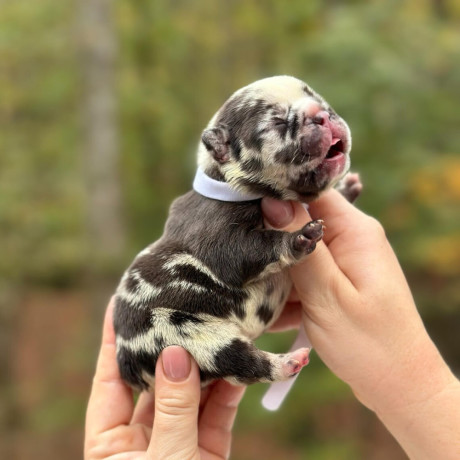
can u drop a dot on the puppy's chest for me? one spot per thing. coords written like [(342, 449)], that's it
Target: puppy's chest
[(264, 303)]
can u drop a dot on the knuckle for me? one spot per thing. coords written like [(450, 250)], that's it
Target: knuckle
[(374, 227), (91, 450), (96, 448), (175, 405)]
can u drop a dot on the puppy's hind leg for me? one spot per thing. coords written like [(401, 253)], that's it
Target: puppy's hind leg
[(219, 348), (241, 362)]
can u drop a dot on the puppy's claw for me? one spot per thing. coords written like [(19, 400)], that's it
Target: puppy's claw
[(321, 221)]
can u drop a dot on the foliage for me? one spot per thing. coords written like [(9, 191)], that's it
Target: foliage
[(391, 69)]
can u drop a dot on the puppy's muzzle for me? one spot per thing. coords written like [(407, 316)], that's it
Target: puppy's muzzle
[(323, 137)]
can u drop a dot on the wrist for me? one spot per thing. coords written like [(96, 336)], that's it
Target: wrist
[(421, 409), (428, 430), (420, 375)]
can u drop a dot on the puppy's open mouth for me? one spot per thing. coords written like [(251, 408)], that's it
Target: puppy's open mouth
[(335, 160), (335, 149)]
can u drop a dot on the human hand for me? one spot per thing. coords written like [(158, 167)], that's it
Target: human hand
[(358, 310), (183, 427)]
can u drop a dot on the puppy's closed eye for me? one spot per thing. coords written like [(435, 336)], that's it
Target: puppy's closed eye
[(278, 121)]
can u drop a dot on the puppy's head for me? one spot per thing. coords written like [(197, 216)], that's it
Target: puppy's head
[(276, 137)]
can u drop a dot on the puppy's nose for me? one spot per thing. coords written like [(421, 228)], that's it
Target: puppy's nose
[(321, 118)]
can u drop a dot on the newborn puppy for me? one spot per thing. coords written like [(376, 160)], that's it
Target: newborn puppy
[(216, 279)]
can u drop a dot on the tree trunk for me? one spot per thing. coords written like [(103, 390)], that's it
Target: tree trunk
[(106, 236), (98, 51)]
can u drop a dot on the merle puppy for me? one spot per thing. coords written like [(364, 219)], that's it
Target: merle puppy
[(216, 279)]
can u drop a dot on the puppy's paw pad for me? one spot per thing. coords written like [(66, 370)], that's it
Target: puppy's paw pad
[(293, 362), (313, 230), (306, 239), (304, 245), (293, 367)]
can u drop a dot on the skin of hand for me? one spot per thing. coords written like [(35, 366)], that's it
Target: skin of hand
[(179, 422), (360, 316)]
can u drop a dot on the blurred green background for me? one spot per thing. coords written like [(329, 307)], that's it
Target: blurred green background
[(101, 107)]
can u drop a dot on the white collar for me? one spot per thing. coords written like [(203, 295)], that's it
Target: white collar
[(217, 190)]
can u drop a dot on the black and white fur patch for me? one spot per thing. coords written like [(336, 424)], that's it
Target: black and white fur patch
[(216, 279)]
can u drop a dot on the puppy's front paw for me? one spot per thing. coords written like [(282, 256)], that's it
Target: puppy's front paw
[(305, 239), (350, 186)]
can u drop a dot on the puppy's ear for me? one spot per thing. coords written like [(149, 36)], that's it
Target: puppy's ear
[(217, 143)]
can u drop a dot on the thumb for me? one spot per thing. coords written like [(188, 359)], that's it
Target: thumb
[(315, 273), (284, 215), (177, 398)]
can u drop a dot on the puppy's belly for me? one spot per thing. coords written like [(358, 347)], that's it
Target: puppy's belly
[(265, 302)]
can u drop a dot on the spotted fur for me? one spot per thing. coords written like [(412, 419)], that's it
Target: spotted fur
[(216, 279)]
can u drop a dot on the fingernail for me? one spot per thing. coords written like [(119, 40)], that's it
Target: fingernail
[(278, 213), (176, 363)]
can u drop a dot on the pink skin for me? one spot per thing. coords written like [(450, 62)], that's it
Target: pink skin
[(333, 167), (293, 362)]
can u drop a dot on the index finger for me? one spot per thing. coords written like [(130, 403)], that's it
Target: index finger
[(338, 213), (111, 400), (356, 241)]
